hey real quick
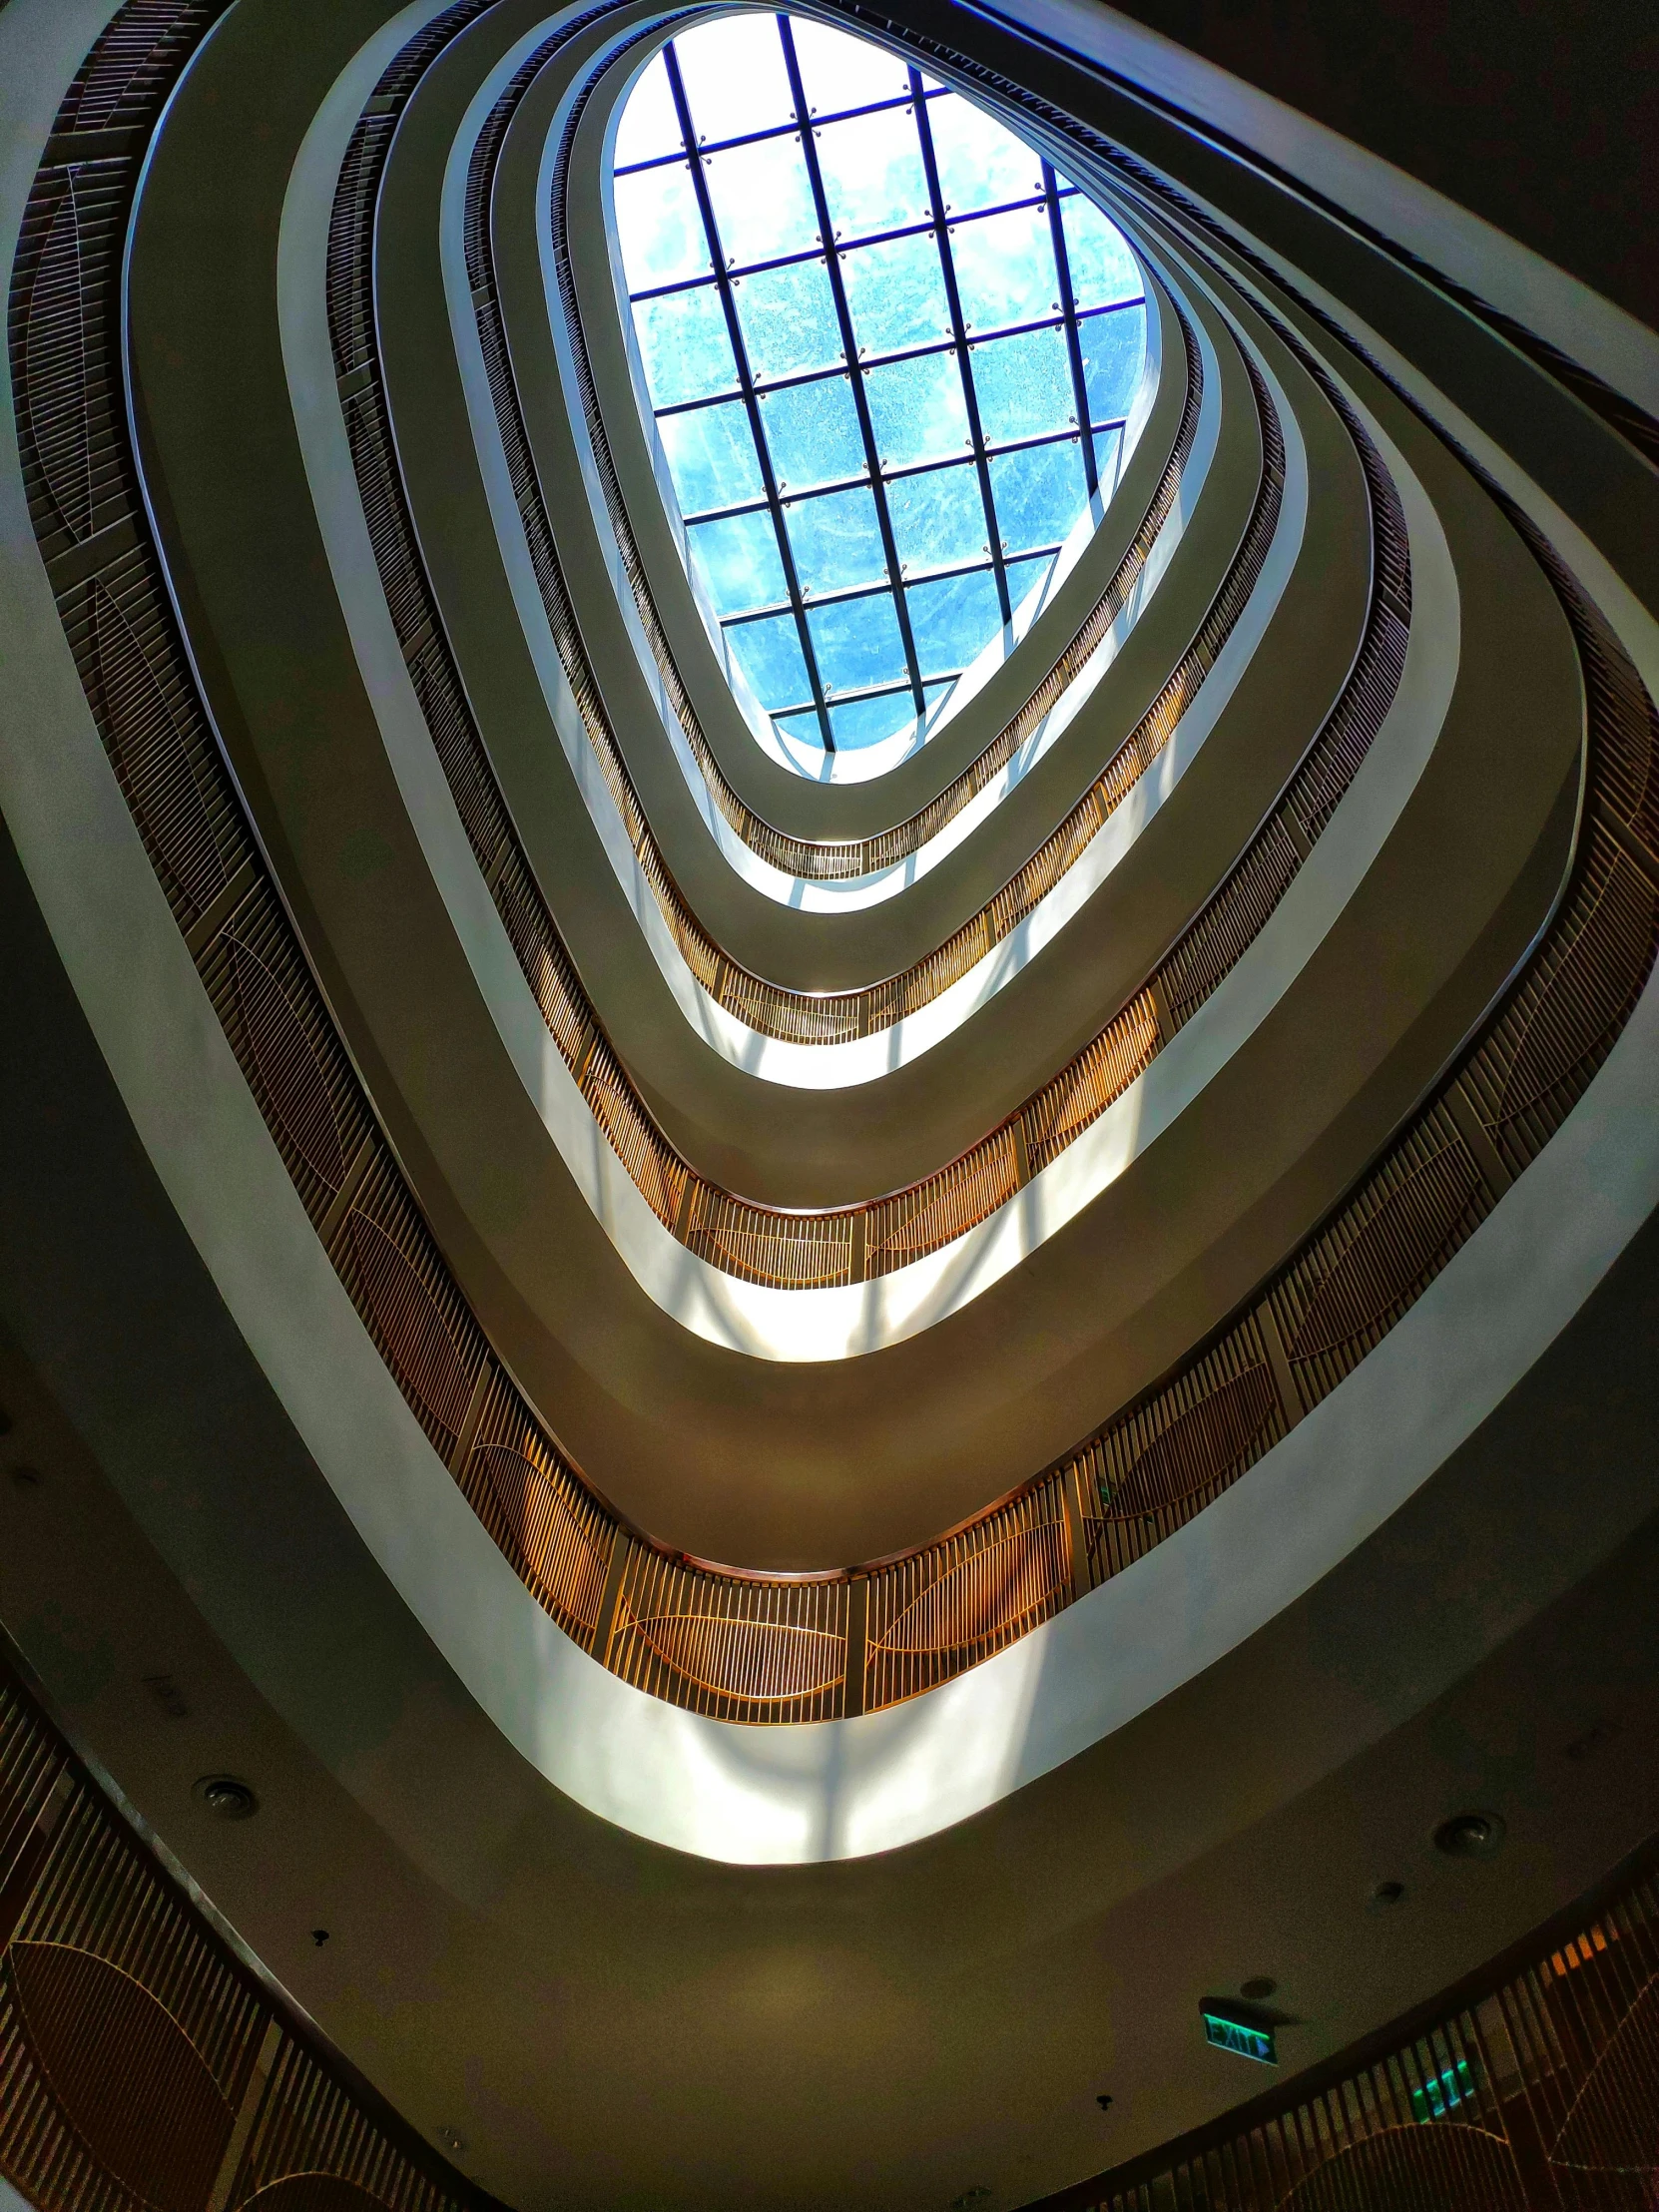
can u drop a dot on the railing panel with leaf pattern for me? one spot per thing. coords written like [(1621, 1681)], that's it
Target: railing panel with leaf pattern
[(1534, 2083)]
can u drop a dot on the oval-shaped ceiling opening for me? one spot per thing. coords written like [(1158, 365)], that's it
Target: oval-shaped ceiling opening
[(889, 362)]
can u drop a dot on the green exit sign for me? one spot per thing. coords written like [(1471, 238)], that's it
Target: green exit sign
[(1238, 2032)]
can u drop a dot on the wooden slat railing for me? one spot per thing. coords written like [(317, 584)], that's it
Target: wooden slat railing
[(752, 1646)]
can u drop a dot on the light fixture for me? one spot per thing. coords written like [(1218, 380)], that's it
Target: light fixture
[(225, 1796), (1470, 1836)]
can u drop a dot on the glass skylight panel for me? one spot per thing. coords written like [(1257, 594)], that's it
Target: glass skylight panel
[(896, 291), (946, 613), (938, 518), (841, 72), (1103, 269), (1108, 459), (868, 721), (980, 164), (710, 456), (1025, 576), (1114, 352), (768, 653), (735, 77), (1006, 269), (1038, 493), (858, 643), (874, 179), (683, 345), (918, 409), (738, 561), (649, 123), (660, 228), (789, 321), (762, 200), (812, 430), (1024, 387), (837, 541), (947, 459)]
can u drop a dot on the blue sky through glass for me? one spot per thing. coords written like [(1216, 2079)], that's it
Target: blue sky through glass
[(890, 358)]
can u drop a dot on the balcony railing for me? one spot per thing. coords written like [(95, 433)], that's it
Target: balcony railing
[(746, 1646)]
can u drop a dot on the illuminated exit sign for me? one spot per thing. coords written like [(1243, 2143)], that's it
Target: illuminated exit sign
[(1240, 2032)]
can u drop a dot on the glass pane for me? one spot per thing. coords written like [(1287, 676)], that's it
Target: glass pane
[(873, 174), (857, 644), (648, 124), (869, 720), (952, 619), (842, 72), (710, 456), (918, 410), (980, 164), (896, 294), (1108, 459), (803, 729), (770, 655), (812, 430), (1114, 351), (1025, 576), (683, 345), (1102, 266), (660, 228), (739, 563), (1006, 269), (762, 202), (734, 75), (837, 541), (1038, 493), (1024, 386), (938, 519), (788, 320)]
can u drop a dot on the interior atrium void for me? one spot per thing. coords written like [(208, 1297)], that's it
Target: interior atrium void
[(829, 917)]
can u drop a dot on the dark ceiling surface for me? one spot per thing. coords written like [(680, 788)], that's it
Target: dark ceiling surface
[(1541, 115)]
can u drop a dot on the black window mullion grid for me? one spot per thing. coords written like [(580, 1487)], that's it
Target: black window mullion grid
[(1074, 340), (774, 131), (941, 682), (739, 355), (869, 238), (893, 476), (856, 379), (958, 331), (849, 593)]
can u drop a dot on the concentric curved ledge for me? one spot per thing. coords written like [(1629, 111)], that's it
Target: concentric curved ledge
[(1427, 1116)]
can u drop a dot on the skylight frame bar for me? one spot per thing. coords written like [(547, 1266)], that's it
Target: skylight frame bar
[(878, 691), (775, 129), (902, 476), (852, 246), (739, 355), (800, 377), (953, 301), (1074, 342), (855, 378), (847, 593)]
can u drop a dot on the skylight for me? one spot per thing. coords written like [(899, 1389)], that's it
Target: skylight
[(889, 361)]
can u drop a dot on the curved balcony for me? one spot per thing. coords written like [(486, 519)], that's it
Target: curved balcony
[(1124, 1613), (746, 1646)]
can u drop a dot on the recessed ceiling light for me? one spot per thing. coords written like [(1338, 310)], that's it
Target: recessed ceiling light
[(1469, 1835), (226, 1796)]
